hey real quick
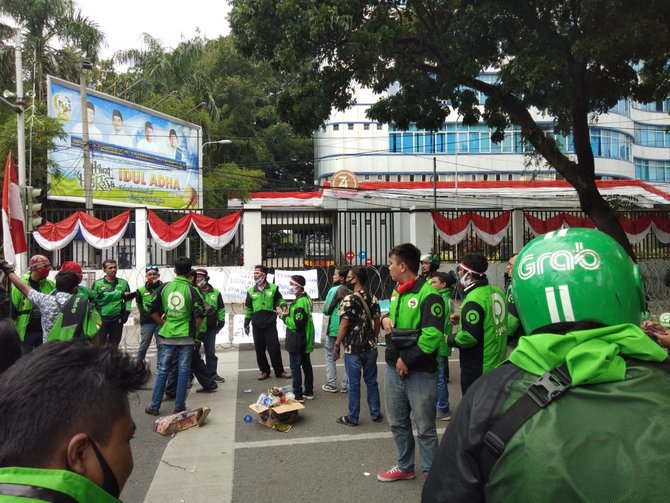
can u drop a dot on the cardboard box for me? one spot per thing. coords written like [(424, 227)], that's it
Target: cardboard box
[(286, 413), (174, 423)]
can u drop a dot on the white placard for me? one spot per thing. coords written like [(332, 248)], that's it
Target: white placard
[(283, 278), (239, 337), (239, 282)]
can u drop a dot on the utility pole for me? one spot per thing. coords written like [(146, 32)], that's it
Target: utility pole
[(88, 177), (21, 132)]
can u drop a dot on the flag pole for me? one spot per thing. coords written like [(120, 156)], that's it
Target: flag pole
[(22, 262)]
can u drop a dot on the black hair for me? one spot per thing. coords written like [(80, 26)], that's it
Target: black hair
[(477, 262), (148, 124), (117, 113), (262, 268), (67, 281), (108, 261), (172, 132), (449, 278), (361, 274), (90, 106), (10, 344), (61, 389), (183, 265), (343, 270), (409, 254)]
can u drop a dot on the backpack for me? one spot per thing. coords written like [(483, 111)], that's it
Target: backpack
[(76, 321)]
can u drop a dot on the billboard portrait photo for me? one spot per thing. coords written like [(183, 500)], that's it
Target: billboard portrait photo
[(139, 157)]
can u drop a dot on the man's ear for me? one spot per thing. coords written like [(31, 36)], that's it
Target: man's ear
[(79, 454)]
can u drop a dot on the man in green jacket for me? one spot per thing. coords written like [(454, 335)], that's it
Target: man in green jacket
[(410, 380), (27, 318), (330, 308), (260, 309), (300, 338), (213, 324), (77, 444), (579, 412), (178, 308), (114, 313), (483, 323), (442, 283)]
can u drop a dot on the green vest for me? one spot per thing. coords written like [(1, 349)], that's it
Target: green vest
[(181, 303), (445, 350), (211, 297), (23, 307), (71, 484), (301, 307), (261, 300), (77, 320), (491, 301)]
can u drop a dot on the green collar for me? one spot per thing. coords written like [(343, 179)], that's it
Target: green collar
[(592, 356)]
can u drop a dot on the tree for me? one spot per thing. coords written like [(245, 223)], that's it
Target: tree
[(567, 59), (56, 34)]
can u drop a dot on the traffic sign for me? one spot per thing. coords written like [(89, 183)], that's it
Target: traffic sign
[(349, 255)]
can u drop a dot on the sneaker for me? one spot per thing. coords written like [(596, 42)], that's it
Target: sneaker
[(219, 379), (378, 419), (343, 390), (301, 399), (309, 396), (443, 416), (394, 474), (152, 412), (329, 388)]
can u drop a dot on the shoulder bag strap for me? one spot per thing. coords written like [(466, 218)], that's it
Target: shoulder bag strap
[(365, 306)]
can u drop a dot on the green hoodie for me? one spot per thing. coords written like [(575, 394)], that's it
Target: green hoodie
[(75, 486)]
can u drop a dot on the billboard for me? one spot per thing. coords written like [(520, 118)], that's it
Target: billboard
[(139, 157)]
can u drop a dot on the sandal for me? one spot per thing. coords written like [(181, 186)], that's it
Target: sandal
[(346, 420)]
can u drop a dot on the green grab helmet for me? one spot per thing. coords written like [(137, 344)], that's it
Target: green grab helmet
[(573, 275)]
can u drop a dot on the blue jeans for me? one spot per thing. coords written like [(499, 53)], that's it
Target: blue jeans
[(442, 388), (416, 393), (331, 370), (147, 332), (303, 360), (209, 345), (184, 354), (367, 364)]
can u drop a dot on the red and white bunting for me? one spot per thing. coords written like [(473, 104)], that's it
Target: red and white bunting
[(489, 230), (52, 236), (217, 233), (98, 233), (168, 236), (103, 235), (13, 224)]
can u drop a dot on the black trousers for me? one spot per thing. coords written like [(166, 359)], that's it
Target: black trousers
[(267, 339), (111, 332)]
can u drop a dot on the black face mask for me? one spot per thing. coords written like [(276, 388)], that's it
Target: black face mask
[(349, 285), (109, 482)]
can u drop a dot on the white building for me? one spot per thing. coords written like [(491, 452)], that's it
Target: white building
[(630, 142)]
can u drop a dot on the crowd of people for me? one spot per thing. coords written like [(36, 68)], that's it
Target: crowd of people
[(556, 371)]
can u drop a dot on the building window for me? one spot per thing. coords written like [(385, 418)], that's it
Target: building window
[(652, 136), (366, 127), (350, 127), (336, 127), (652, 170), (379, 127)]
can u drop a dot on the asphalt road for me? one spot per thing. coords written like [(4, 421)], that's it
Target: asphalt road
[(318, 459)]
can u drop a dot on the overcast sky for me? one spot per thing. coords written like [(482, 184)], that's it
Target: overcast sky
[(124, 21)]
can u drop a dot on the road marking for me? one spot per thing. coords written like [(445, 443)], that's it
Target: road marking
[(261, 444)]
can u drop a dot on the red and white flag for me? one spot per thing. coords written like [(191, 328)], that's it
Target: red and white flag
[(13, 223)]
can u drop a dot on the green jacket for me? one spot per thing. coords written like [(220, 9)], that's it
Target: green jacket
[(445, 350), (483, 328), (77, 487), (300, 326), (112, 309), (213, 298), (330, 305), (604, 440), (423, 309), (144, 298), (260, 306), (181, 304), (22, 307), (102, 297), (78, 320)]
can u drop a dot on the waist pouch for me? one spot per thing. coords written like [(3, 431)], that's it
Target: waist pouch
[(404, 338)]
